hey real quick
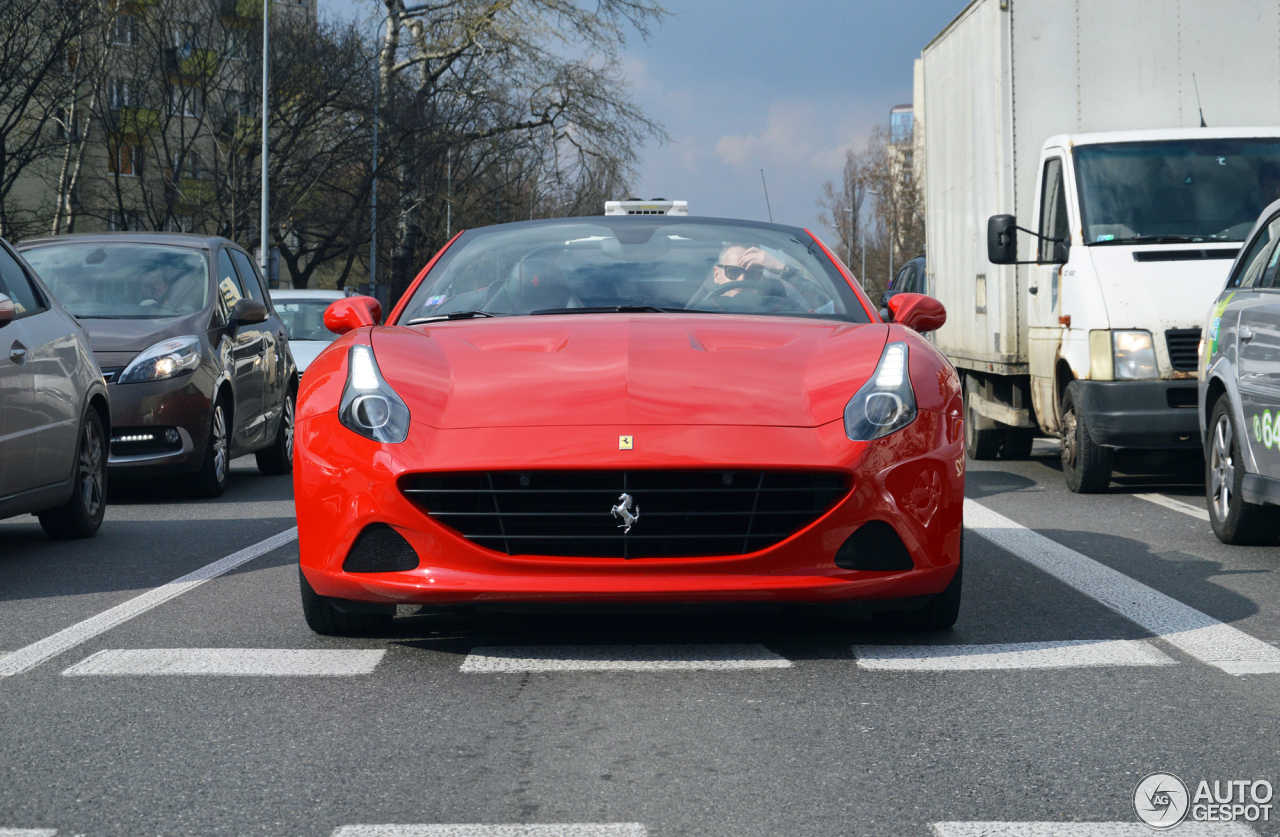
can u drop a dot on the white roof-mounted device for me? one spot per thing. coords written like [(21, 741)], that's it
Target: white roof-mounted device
[(657, 206)]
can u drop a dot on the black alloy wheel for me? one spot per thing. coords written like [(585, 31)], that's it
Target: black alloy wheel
[(278, 458), (1234, 520), (1086, 465), (81, 516)]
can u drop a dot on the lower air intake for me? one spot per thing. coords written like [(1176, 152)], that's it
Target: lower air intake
[(380, 549), (876, 547)]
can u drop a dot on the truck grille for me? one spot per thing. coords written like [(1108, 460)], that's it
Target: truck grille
[(680, 513), (1184, 348)]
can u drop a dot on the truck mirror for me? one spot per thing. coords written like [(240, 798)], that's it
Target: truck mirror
[(1002, 239)]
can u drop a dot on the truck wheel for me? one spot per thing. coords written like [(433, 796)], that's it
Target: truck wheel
[(1234, 521), (1017, 443), (981, 436), (1086, 464)]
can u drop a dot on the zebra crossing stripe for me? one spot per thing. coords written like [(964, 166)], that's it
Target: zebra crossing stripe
[(1020, 655), (1085, 829), (229, 662), (540, 658), (631, 829)]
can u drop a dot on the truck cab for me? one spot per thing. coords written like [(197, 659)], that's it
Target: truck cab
[(1133, 234)]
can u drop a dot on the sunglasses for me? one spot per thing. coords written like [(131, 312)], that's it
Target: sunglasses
[(734, 272)]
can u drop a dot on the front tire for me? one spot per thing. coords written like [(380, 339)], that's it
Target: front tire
[(1234, 521), (981, 435), (1086, 465), (278, 459), (940, 614), (211, 480), (323, 618), (81, 516)]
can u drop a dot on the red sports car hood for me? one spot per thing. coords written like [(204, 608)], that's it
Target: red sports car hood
[(641, 369)]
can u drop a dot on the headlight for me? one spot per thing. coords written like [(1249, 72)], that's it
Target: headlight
[(1135, 355), (369, 405), (166, 359), (886, 402)]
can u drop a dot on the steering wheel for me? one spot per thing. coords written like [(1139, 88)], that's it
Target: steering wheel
[(768, 287)]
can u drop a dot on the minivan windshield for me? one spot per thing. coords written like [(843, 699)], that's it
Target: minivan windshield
[(1175, 190), (123, 281), (304, 318), (599, 265)]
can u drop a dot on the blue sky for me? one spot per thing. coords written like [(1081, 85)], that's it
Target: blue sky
[(783, 85)]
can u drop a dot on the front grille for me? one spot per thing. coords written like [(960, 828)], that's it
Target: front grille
[(680, 513), (1184, 348)]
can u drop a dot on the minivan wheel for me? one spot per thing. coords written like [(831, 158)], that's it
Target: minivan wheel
[(81, 516), (211, 479), (1085, 464), (1234, 520), (278, 459)]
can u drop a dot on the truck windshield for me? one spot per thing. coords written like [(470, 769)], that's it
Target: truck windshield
[(1175, 190)]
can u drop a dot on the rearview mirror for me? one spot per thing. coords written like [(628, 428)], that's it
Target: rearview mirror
[(1002, 239), (352, 313), (917, 311), (249, 312), (7, 311)]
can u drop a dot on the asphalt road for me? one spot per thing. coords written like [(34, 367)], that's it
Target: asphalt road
[(774, 724)]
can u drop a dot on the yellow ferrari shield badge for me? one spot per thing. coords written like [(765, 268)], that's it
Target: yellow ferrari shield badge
[(625, 443)]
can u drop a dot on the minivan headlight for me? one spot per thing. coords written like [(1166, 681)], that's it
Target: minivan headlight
[(369, 405), (886, 402), (1134, 355), (166, 359)]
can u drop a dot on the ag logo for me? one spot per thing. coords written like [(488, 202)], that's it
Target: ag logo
[(1160, 800)]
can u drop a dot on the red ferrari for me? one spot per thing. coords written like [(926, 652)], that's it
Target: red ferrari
[(618, 411)]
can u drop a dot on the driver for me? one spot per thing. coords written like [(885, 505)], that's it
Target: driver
[(739, 263), (165, 290), (1268, 192)]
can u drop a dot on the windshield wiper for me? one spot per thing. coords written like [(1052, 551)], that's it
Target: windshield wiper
[(611, 309), (1153, 239), (456, 315)]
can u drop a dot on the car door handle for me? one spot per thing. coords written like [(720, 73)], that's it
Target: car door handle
[(1246, 334), (18, 354)]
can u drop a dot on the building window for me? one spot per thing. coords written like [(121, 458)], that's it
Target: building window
[(184, 101), (180, 223), (67, 125), (119, 94), (69, 61), (186, 39), (126, 30), (901, 124), (124, 221), (188, 164), (238, 44), (125, 160)]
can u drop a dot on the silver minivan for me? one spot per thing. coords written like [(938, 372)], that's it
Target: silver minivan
[(1240, 393), (55, 417)]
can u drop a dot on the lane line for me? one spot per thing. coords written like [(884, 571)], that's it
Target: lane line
[(1184, 627), (1018, 655), (498, 659), (229, 662), (1177, 505), (1086, 829), (170, 512), (28, 832), (25, 659), (629, 829)]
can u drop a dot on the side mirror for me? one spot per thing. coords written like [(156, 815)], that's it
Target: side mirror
[(917, 311), (248, 312), (1002, 239), (352, 313), (7, 311)]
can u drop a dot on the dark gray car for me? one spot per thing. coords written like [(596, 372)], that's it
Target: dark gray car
[(54, 412), (196, 359)]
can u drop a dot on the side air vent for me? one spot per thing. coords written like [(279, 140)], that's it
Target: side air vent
[(380, 549), (875, 546)]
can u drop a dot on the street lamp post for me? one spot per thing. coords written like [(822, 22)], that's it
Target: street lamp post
[(849, 249), (377, 114), (264, 257), (863, 276)]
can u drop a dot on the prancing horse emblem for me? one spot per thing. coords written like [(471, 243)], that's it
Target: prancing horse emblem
[(625, 511)]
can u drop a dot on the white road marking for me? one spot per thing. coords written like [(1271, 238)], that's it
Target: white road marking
[(1184, 627), (1019, 655), (28, 832), (1085, 829), (168, 512), (537, 658), (1197, 512), (629, 829), (232, 662), (25, 659)]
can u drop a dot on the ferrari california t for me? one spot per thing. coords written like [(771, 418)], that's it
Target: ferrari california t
[(630, 411)]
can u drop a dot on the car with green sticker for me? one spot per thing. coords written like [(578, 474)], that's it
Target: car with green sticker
[(1239, 401)]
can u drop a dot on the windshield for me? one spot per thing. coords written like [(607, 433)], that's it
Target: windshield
[(304, 318), (599, 266), (123, 281), (1176, 190)]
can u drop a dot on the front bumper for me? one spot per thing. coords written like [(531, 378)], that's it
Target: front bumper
[(912, 479), (1141, 414), (184, 403)]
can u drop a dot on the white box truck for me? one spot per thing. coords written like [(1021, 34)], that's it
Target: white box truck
[(1079, 122)]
